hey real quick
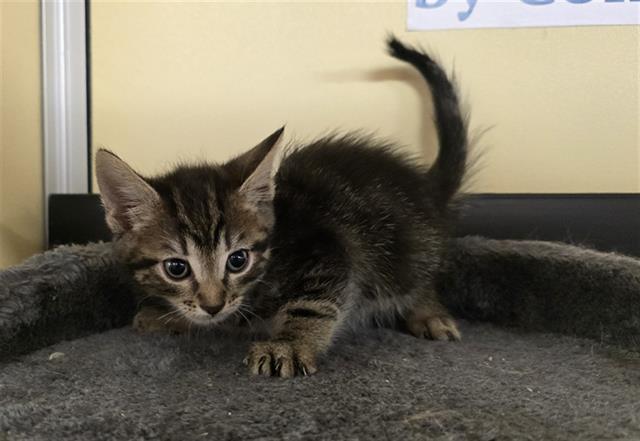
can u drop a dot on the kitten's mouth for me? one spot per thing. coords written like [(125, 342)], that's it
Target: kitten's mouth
[(204, 318)]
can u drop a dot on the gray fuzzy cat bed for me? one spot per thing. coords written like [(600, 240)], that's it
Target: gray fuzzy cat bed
[(562, 365)]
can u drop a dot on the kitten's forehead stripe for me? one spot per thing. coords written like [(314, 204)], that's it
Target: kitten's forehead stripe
[(217, 231), (219, 199), (227, 238), (199, 212), (181, 210), (196, 198), (183, 246)]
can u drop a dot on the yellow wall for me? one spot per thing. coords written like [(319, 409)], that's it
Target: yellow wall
[(207, 80), (21, 220)]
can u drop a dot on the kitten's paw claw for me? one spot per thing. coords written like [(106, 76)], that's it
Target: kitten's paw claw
[(435, 328), (279, 359)]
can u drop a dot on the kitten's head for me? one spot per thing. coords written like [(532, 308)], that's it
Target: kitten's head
[(196, 238)]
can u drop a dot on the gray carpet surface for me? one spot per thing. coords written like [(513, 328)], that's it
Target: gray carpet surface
[(535, 378), (497, 384), (65, 293)]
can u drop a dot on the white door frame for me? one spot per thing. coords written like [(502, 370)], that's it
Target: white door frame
[(65, 109)]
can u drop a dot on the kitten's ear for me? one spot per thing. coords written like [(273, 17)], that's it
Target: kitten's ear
[(128, 199), (256, 168), (248, 162)]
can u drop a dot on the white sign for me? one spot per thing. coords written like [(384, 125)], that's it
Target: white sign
[(460, 14)]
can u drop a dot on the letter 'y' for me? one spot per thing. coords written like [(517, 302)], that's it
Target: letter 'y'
[(462, 16)]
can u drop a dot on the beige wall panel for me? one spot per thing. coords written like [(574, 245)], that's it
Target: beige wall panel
[(209, 79)]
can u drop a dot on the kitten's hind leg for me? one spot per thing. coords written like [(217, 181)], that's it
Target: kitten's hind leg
[(302, 330), (429, 319)]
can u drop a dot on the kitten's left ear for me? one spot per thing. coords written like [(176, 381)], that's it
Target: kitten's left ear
[(255, 167)]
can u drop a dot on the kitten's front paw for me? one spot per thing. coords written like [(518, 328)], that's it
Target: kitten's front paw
[(434, 328), (280, 359)]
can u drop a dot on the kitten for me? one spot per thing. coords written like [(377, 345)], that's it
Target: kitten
[(347, 232)]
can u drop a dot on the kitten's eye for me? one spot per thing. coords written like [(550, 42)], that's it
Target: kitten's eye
[(176, 268), (237, 260)]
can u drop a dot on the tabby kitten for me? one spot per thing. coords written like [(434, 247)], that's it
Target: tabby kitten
[(348, 231)]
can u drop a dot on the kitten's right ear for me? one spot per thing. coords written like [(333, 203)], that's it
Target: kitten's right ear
[(129, 201)]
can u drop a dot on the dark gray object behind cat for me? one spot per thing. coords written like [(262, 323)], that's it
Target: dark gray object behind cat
[(348, 232)]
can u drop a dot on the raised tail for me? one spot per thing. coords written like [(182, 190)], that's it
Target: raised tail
[(447, 173)]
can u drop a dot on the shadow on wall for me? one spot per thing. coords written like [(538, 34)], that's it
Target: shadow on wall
[(428, 139)]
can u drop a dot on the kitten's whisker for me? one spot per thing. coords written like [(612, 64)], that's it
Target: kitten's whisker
[(170, 319), (168, 314), (239, 311), (171, 316), (246, 309)]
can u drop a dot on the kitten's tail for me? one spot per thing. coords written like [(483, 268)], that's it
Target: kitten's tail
[(447, 173)]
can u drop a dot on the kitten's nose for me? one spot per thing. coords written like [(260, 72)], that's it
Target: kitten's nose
[(213, 309)]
